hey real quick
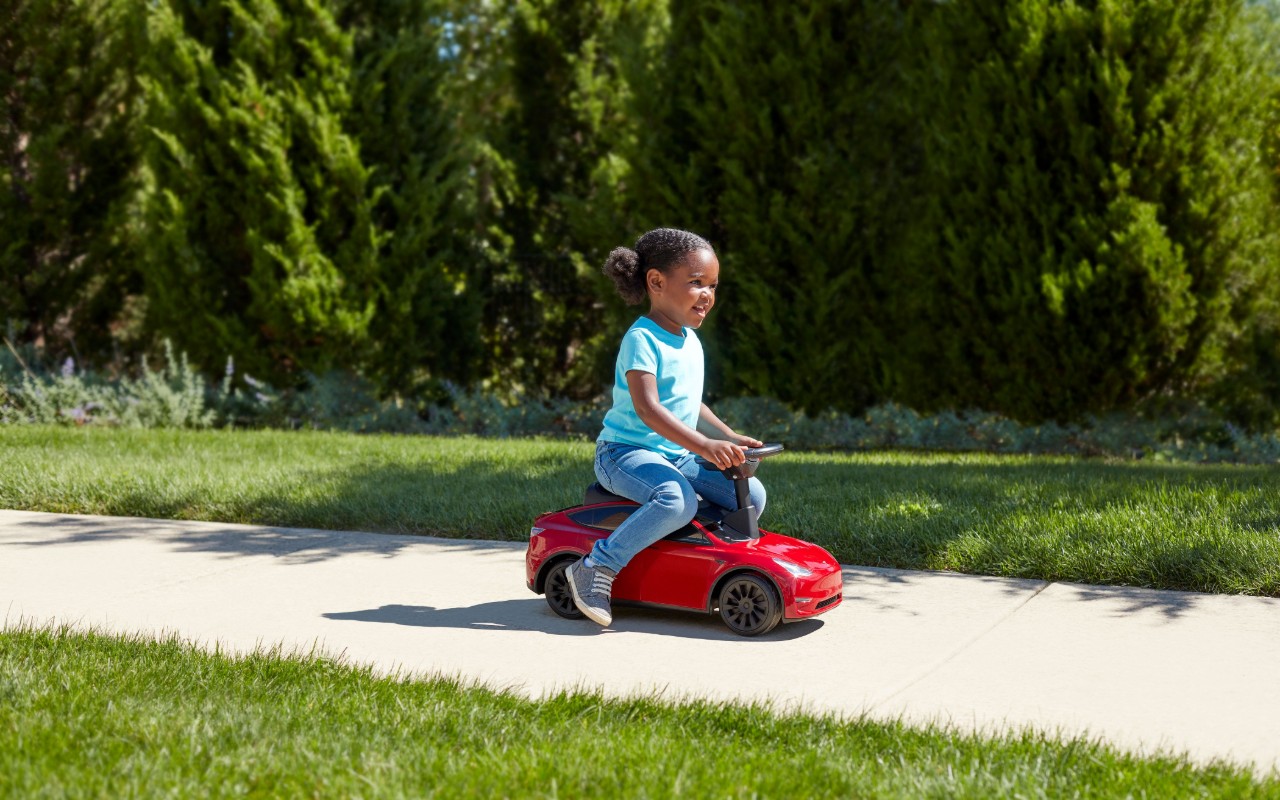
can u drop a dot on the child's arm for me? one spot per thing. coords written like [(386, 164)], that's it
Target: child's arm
[(643, 387), (713, 426)]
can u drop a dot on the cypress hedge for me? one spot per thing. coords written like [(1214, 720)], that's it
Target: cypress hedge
[(68, 155), (426, 325), (1098, 207), (782, 140), (258, 237), (1042, 209)]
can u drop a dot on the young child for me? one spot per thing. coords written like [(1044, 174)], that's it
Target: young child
[(658, 422)]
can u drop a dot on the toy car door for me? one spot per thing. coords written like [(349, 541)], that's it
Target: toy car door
[(678, 570)]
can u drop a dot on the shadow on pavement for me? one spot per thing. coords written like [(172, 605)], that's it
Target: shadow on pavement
[(1128, 600), (1059, 518), (534, 615), (299, 546), (296, 545), (879, 587)]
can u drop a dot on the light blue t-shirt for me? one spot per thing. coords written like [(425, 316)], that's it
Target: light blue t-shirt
[(677, 363)]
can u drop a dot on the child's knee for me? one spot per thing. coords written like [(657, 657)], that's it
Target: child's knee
[(758, 495), (679, 499)]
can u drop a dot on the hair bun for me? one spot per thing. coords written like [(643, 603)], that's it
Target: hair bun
[(623, 262), (623, 268)]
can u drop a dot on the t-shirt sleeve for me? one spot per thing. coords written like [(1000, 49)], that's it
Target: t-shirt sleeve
[(639, 353)]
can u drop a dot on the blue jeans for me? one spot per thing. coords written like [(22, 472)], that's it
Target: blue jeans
[(667, 492)]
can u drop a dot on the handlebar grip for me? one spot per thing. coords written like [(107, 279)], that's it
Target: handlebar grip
[(770, 449), (752, 454)]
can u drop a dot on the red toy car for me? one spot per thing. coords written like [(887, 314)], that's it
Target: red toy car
[(720, 562)]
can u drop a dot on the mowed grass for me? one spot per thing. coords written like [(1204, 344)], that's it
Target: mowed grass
[(1212, 528), (179, 722)]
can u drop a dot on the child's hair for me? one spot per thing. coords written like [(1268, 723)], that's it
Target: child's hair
[(660, 249)]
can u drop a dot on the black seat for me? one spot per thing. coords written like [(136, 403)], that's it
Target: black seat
[(598, 494), (708, 512)]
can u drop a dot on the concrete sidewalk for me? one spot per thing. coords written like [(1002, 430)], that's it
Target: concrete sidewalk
[(1145, 670)]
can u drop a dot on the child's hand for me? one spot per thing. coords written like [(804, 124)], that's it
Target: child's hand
[(722, 453), (746, 441)]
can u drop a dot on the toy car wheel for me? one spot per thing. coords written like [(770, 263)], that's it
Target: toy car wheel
[(559, 595), (749, 606)]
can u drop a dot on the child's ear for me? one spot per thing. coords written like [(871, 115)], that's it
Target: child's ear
[(654, 280)]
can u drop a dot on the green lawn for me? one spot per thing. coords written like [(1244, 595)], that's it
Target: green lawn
[(1213, 528), (178, 722)]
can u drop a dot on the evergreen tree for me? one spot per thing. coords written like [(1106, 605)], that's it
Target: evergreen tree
[(1098, 204), (427, 325), (67, 162), (1272, 143), (554, 119), (781, 138), (1249, 392), (260, 241), (1266, 24)]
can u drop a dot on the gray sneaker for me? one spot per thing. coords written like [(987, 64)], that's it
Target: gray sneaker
[(590, 587)]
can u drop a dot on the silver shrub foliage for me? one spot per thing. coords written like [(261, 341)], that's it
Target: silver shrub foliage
[(171, 397), (175, 396)]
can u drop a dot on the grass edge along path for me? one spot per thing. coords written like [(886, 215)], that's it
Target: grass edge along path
[(88, 714), (1208, 528)]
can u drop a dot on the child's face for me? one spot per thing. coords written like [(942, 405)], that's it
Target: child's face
[(684, 296)]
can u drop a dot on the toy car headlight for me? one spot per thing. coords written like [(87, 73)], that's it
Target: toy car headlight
[(793, 568)]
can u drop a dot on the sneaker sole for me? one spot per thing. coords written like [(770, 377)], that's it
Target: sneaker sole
[(592, 614)]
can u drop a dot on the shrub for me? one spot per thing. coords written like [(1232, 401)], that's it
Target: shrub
[(485, 414), (1196, 434), (343, 402), (173, 397), (177, 397)]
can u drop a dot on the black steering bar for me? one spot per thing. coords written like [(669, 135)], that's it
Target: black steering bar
[(747, 468), (744, 519)]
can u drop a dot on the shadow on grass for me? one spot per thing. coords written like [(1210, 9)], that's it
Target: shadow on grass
[(534, 615), (484, 499), (1191, 528), (1185, 527)]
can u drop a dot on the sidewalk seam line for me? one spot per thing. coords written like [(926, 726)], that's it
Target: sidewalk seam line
[(968, 643)]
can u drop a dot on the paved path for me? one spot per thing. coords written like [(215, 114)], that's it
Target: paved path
[(1143, 669)]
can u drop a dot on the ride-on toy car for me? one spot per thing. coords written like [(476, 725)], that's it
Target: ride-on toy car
[(720, 562)]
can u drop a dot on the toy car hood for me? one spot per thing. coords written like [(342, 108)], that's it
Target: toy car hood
[(804, 554)]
